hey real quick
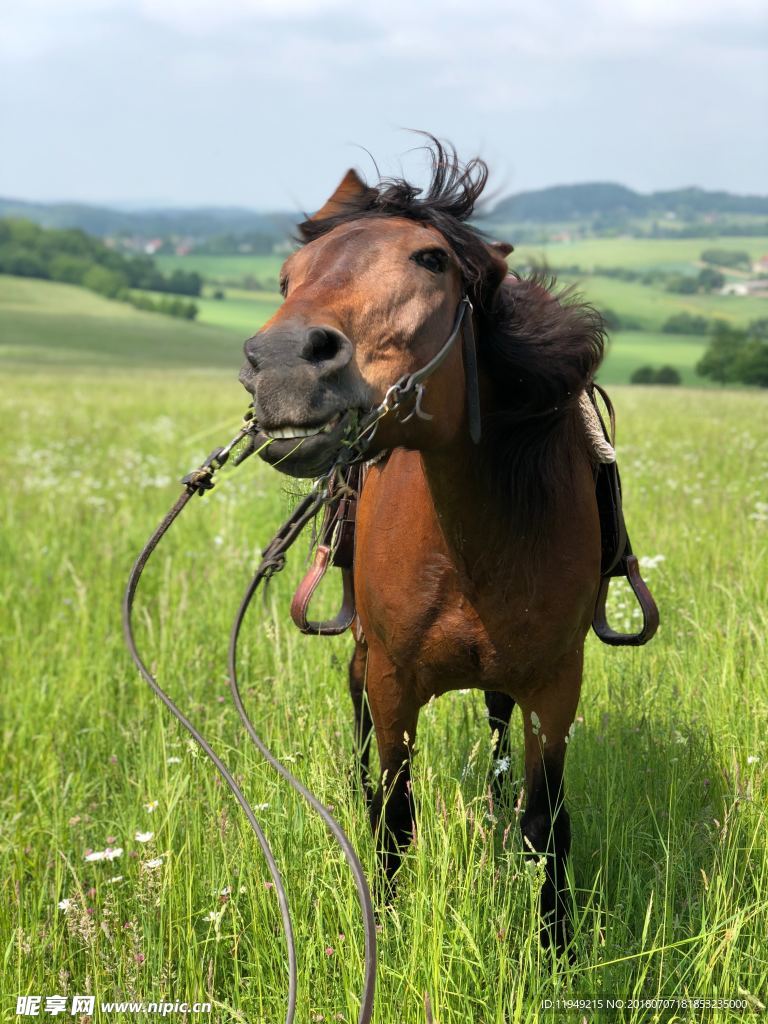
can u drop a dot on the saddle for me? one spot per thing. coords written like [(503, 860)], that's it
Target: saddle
[(336, 547)]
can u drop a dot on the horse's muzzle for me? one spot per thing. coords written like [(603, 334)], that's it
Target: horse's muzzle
[(304, 382), (309, 454)]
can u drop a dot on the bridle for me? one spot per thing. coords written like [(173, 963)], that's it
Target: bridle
[(403, 400)]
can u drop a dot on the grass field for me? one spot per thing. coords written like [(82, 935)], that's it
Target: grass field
[(224, 268), (666, 778), (651, 306), (59, 325), (243, 311), (629, 349), (674, 254)]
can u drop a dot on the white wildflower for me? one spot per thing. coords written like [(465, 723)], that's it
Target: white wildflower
[(109, 854), (65, 905), (753, 759), (649, 562), (501, 766), (173, 760), (154, 863), (152, 806), (144, 837)]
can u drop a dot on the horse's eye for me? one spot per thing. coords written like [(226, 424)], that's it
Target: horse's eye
[(283, 286), (433, 260)]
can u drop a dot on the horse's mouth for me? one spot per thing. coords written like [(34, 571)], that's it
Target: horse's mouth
[(305, 451), (294, 433)]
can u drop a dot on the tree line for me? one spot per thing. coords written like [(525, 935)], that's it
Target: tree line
[(72, 257), (737, 356)]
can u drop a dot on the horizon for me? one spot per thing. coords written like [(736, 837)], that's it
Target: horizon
[(158, 205)]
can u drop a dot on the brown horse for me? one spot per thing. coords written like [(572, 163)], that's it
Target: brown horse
[(477, 563)]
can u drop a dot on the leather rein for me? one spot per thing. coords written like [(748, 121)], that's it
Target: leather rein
[(403, 397)]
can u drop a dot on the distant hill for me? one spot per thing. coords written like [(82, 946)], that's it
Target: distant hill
[(200, 222), (602, 204), (604, 199)]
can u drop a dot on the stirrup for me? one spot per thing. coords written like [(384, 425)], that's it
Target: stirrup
[(301, 599), (628, 566)]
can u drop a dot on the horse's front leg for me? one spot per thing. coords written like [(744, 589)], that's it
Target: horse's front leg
[(395, 714), (500, 707), (548, 713), (363, 723)]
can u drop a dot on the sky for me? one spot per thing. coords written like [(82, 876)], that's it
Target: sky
[(265, 103)]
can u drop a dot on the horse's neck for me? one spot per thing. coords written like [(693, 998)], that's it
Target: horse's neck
[(467, 506), (478, 525)]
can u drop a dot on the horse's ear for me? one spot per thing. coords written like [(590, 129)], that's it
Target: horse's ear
[(498, 268), (503, 249), (349, 193)]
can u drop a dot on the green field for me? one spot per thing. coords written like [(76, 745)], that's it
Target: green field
[(64, 326), (648, 306), (629, 349), (667, 776), (651, 306), (224, 268), (675, 254), (61, 325)]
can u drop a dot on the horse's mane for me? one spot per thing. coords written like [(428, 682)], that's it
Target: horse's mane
[(447, 203), (541, 347)]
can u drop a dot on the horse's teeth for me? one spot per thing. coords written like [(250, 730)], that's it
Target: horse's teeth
[(288, 433)]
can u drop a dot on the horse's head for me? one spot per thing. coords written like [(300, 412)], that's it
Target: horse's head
[(370, 296)]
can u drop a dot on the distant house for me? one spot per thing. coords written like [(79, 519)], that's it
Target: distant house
[(154, 245), (758, 288), (761, 266)]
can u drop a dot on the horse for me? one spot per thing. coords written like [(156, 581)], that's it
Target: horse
[(477, 551)]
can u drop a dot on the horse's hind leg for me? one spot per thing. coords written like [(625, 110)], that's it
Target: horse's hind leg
[(500, 707), (363, 721), (545, 825)]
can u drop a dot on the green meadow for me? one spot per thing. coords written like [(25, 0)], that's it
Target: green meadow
[(46, 325), (647, 306), (129, 873), (217, 269), (667, 780), (670, 254)]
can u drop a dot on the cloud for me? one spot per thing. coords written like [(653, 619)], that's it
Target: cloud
[(264, 98)]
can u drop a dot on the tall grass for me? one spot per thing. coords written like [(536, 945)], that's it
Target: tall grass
[(666, 774)]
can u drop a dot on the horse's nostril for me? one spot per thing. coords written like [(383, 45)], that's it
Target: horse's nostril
[(322, 345), (250, 352)]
